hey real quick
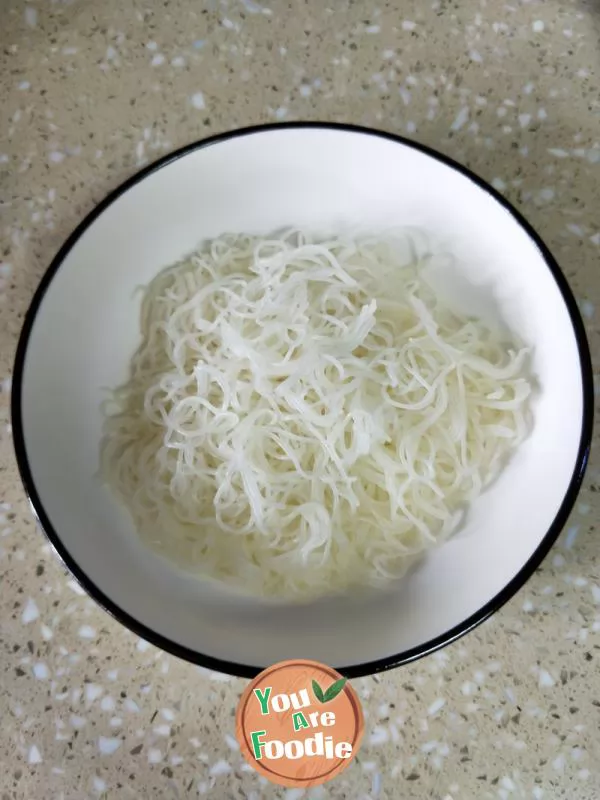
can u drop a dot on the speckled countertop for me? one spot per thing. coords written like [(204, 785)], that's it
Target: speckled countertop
[(89, 92)]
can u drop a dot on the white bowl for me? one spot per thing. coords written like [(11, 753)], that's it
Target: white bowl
[(82, 329)]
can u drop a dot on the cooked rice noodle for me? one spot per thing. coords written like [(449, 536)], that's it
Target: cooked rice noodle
[(304, 416)]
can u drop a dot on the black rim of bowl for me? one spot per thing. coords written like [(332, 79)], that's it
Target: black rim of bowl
[(367, 667)]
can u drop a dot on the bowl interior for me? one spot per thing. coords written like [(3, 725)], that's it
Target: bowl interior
[(86, 329)]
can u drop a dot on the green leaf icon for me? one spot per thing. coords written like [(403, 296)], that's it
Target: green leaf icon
[(334, 690), (331, 693), (318, 692)]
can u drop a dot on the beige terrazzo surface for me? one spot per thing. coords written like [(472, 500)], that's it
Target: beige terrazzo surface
[(91, 91)]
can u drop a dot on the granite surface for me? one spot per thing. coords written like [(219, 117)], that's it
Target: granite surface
[(89, 92)]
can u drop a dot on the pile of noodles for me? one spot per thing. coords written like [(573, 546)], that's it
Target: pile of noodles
[(306, 416)]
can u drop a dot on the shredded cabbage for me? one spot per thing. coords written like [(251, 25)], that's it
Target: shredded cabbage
[(305, 416)]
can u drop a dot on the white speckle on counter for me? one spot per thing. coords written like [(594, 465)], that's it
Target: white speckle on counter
[(34, 756), (559, 763), (596, 593), (571, 536), (378, 736), (373, 28), (576, 230), (528, 606), (405, 95), (254, 8), (56, 156), (162, 730), (293, 794), (157, 60), (30, 612), (130, 705), (197, 100), (41, 671), (143, 645), (176, 760), (115, 722), (92, 692), (98, 785), (545, 679), (408, 25), (46, 632), (151, 46), (475, 56), (558, 152), (231, 742), (498, 184), (108, 745), (461, 119), (524, 120), (30, 16), (107, 703), (154, 756), (86, 632), (538, 26), (436, 706), (587, 309), (178, 61), (77, 722), (546, 194), (24, 86), (221, 767), (112, 674)]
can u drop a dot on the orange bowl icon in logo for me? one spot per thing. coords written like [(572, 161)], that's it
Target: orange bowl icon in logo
[(299, 723)]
